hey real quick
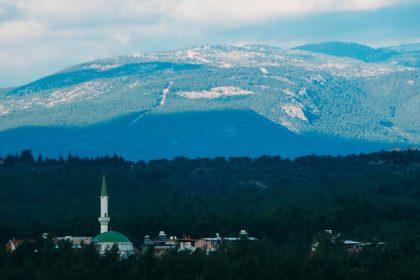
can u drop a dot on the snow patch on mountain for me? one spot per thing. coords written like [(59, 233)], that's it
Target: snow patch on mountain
[(165, 92), (215, 92), (302, 91), (253, 56), (4, 110), (283, 79), (263, 70), (289, 125), (317, 78), (289, 92), (102, 67), (195, 56), (86, 91), (134, 84), (404, 134), (294, 111), (225, 65)]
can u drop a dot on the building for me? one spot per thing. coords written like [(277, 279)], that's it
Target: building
[(76, 242), (186, 244), (104, 218), (106, 240), (159, 245), (356, 246), (334, 240), (163, 243), (211, 243), (13, 244)]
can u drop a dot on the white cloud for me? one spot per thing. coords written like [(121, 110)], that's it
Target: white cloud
[(15, 31), (246, 11), (202, 11), (121, 38), (69, 31), (36, 18)]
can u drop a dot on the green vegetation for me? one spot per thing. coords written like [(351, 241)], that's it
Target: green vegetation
[(354, 50), (305, 92), (253, 261), (283, 203)]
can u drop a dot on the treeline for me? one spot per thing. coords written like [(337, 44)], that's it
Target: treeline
[(282, 202), (363, 196), (244, 260)]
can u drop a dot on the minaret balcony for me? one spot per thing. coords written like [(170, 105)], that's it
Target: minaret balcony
[(104, 220)]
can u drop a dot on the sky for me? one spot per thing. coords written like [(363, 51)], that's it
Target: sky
[(40, 37)]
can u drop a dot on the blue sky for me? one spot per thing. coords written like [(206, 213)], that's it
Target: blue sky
[(39, 37)]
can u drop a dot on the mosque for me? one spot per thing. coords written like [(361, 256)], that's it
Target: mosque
[(107, 239)]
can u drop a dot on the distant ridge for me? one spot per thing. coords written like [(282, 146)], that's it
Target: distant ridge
[(353, 50)]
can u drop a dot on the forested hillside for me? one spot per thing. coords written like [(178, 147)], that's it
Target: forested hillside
[(364, 196), (282, 202), (304, 92)]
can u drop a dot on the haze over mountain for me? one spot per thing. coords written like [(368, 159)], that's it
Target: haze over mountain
[(332, 98)]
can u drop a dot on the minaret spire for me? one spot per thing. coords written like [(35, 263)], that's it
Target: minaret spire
[(104, 218), (104, 190)]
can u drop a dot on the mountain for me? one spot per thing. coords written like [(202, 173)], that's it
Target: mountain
[(190, 134), (408, 54), (220, 100), (415, 47), (353, 50)]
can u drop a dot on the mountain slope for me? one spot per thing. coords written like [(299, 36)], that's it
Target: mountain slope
[(352, 50), (192, 134), (304, 92)]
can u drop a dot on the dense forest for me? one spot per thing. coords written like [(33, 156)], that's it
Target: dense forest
[(284, 203)]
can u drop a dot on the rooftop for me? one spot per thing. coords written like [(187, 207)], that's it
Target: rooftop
[(111, 236)]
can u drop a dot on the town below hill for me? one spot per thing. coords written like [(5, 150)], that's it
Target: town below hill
[(370, 199)]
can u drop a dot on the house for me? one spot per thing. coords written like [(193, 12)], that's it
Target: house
[(77, 242), (13, 244), (334, 240), (186, 244), (164, 243), (159, 245), (210, 244), (356, 246)]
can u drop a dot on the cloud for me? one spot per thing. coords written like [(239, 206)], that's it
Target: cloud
[(23, 19), (41, 36), (250, 11), (121, 38), (200, 11), (19, 31)]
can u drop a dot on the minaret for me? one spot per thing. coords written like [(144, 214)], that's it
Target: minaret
[(104, 218)]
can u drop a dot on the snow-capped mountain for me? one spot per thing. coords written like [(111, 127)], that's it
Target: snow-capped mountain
[(305, 92)]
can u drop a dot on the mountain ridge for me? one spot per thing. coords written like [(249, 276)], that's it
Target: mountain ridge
[(304, 92), (352, 50)]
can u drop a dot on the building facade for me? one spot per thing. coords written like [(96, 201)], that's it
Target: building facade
[(107, 240)]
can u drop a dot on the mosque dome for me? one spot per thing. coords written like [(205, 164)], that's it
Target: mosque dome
[(111, 237)]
